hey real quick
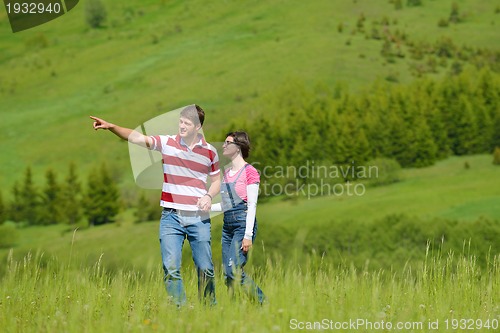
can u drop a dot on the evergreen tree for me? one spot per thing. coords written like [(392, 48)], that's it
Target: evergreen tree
[(439, 132), (145, 210), (423, 149), (3, 210), (361, 147), (101, 202), (485, 128), (343, 143), (431, 100), (488, 88), (320, 137), (489, 94), (50, 209), (330, 136), (376, 129), (71, 201), (15, 210), (465, 136), (495, 140), (399, 134), (29, 199)]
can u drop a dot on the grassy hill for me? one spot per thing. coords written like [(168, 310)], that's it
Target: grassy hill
[(154, 56)]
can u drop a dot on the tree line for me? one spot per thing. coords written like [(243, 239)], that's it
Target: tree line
[(415, 124), (66, 202)]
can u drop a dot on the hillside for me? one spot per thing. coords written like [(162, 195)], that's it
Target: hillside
[(154, 56)]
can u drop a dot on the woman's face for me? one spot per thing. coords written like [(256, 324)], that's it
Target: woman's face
[(229, 148)]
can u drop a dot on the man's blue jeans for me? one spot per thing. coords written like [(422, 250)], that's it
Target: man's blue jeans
[(233, 257), (174, 229)]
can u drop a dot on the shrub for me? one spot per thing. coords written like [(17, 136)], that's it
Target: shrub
[(95, 13), (496, 156), (455, 14), (387, 171), (443, 23), (36, 42), (414, 3), (8, 235)]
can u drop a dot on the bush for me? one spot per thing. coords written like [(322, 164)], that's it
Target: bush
[(414, 3), (496, 156), (8, 235), (387, 171), (455, 14), (36, 42), (443, 23), (95, 13)]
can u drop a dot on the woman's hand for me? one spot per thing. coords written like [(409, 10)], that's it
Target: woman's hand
[(246, 245)]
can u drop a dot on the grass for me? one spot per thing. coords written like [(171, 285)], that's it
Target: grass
[(47, 295)]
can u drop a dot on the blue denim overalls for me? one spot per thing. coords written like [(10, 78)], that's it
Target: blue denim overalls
[(233, 231)]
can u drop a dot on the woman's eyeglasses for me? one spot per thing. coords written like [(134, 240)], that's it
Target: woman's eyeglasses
[(226, 143)]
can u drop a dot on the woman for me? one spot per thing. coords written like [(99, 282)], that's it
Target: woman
[(239, 192)]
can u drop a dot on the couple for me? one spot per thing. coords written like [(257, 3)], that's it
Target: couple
[(188, 160)]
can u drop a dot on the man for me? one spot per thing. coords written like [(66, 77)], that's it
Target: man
[(187, 161)]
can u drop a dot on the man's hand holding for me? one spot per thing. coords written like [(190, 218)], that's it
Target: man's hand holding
[(205, 202)]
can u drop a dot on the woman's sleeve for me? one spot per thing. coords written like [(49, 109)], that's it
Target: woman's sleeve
[(217, 207), (252, 195)]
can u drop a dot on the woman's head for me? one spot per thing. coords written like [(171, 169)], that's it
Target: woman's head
[(237, 140)]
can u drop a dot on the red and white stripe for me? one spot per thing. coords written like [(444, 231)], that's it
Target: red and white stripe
[(185, 171)]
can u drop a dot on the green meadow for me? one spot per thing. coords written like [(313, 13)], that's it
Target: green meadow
[(42, 294), (421, 254)]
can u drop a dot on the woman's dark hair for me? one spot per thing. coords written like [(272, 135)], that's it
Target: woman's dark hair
[(242, 140)]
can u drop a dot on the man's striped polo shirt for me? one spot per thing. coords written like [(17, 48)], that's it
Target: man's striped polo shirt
[(185, 170)]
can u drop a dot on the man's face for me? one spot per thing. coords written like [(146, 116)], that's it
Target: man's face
[(187, 128)]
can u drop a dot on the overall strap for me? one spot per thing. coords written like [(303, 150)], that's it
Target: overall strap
[(241, 171), (239, 174), (229, 188)]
